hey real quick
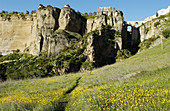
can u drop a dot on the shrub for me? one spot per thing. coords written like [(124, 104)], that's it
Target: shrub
[(86, 14), (123, 54), (156, 24), (17, 50), (157, 14), (41, 7), (22, 13), (27, 12), (94, 13), (49, 6), (166, 33), (2, 72), (89, 17), (90, 14), (15, 12), (33, 11), (147, 43), (87, 66), (147, 30), (78, 13)]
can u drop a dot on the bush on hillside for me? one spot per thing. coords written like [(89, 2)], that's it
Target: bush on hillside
[(123, 54), (87, 66), (147, 43), (156, 24), (166, 33), (2, 72)]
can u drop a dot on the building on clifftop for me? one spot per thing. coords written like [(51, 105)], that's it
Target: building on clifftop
[(104, 9)]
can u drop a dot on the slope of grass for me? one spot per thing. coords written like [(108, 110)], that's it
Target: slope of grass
[(101, 89)]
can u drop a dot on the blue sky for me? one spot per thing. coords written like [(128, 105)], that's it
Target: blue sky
[(132, 9)]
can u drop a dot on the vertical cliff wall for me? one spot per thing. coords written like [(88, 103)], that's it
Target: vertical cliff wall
[(15, 32), (33, 33), (43, 28), (113, 18)]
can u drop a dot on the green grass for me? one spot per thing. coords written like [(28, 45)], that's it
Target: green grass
[(90, 17), (100, 89)]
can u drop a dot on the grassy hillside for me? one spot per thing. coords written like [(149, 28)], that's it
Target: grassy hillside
[(141, 82)]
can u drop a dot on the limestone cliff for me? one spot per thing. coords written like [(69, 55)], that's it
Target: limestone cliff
[(152, 32), (71, 21), (102, 47), (15, 31), (45, 25), (62, 39), (153, 28), (33, 33), (113, 18), (49, 20)]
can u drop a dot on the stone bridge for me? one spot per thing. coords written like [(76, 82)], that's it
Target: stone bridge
[(135, 23)]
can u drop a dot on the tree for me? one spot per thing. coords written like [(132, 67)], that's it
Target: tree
[(22, 13), (41, 6), (166, 33), (14, 12), (86, 14), (90, 14), (6, 12), (27, 12), (3, 12), (3, 68), (94, 13), (157, 14), (33, 11), (78, 13)]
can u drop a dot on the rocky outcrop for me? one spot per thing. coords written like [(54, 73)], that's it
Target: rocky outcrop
[(47, 23), (113, 18), (71, 21), (96, 23), (33, 33), (101, 48), (62, 39), (50, 19), (153, 28)]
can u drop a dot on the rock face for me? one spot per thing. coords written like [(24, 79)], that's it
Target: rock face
[(71, 21), (48, 21), (33, 33), (113, 18), (101, 48), (148, 30), (96, 23), (46, 24), (62, 39), (15, 32)]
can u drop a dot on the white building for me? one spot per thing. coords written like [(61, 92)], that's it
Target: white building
[(164, 11), (160, 12)]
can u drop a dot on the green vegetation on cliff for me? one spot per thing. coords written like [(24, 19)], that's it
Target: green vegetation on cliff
[(166, 33)]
